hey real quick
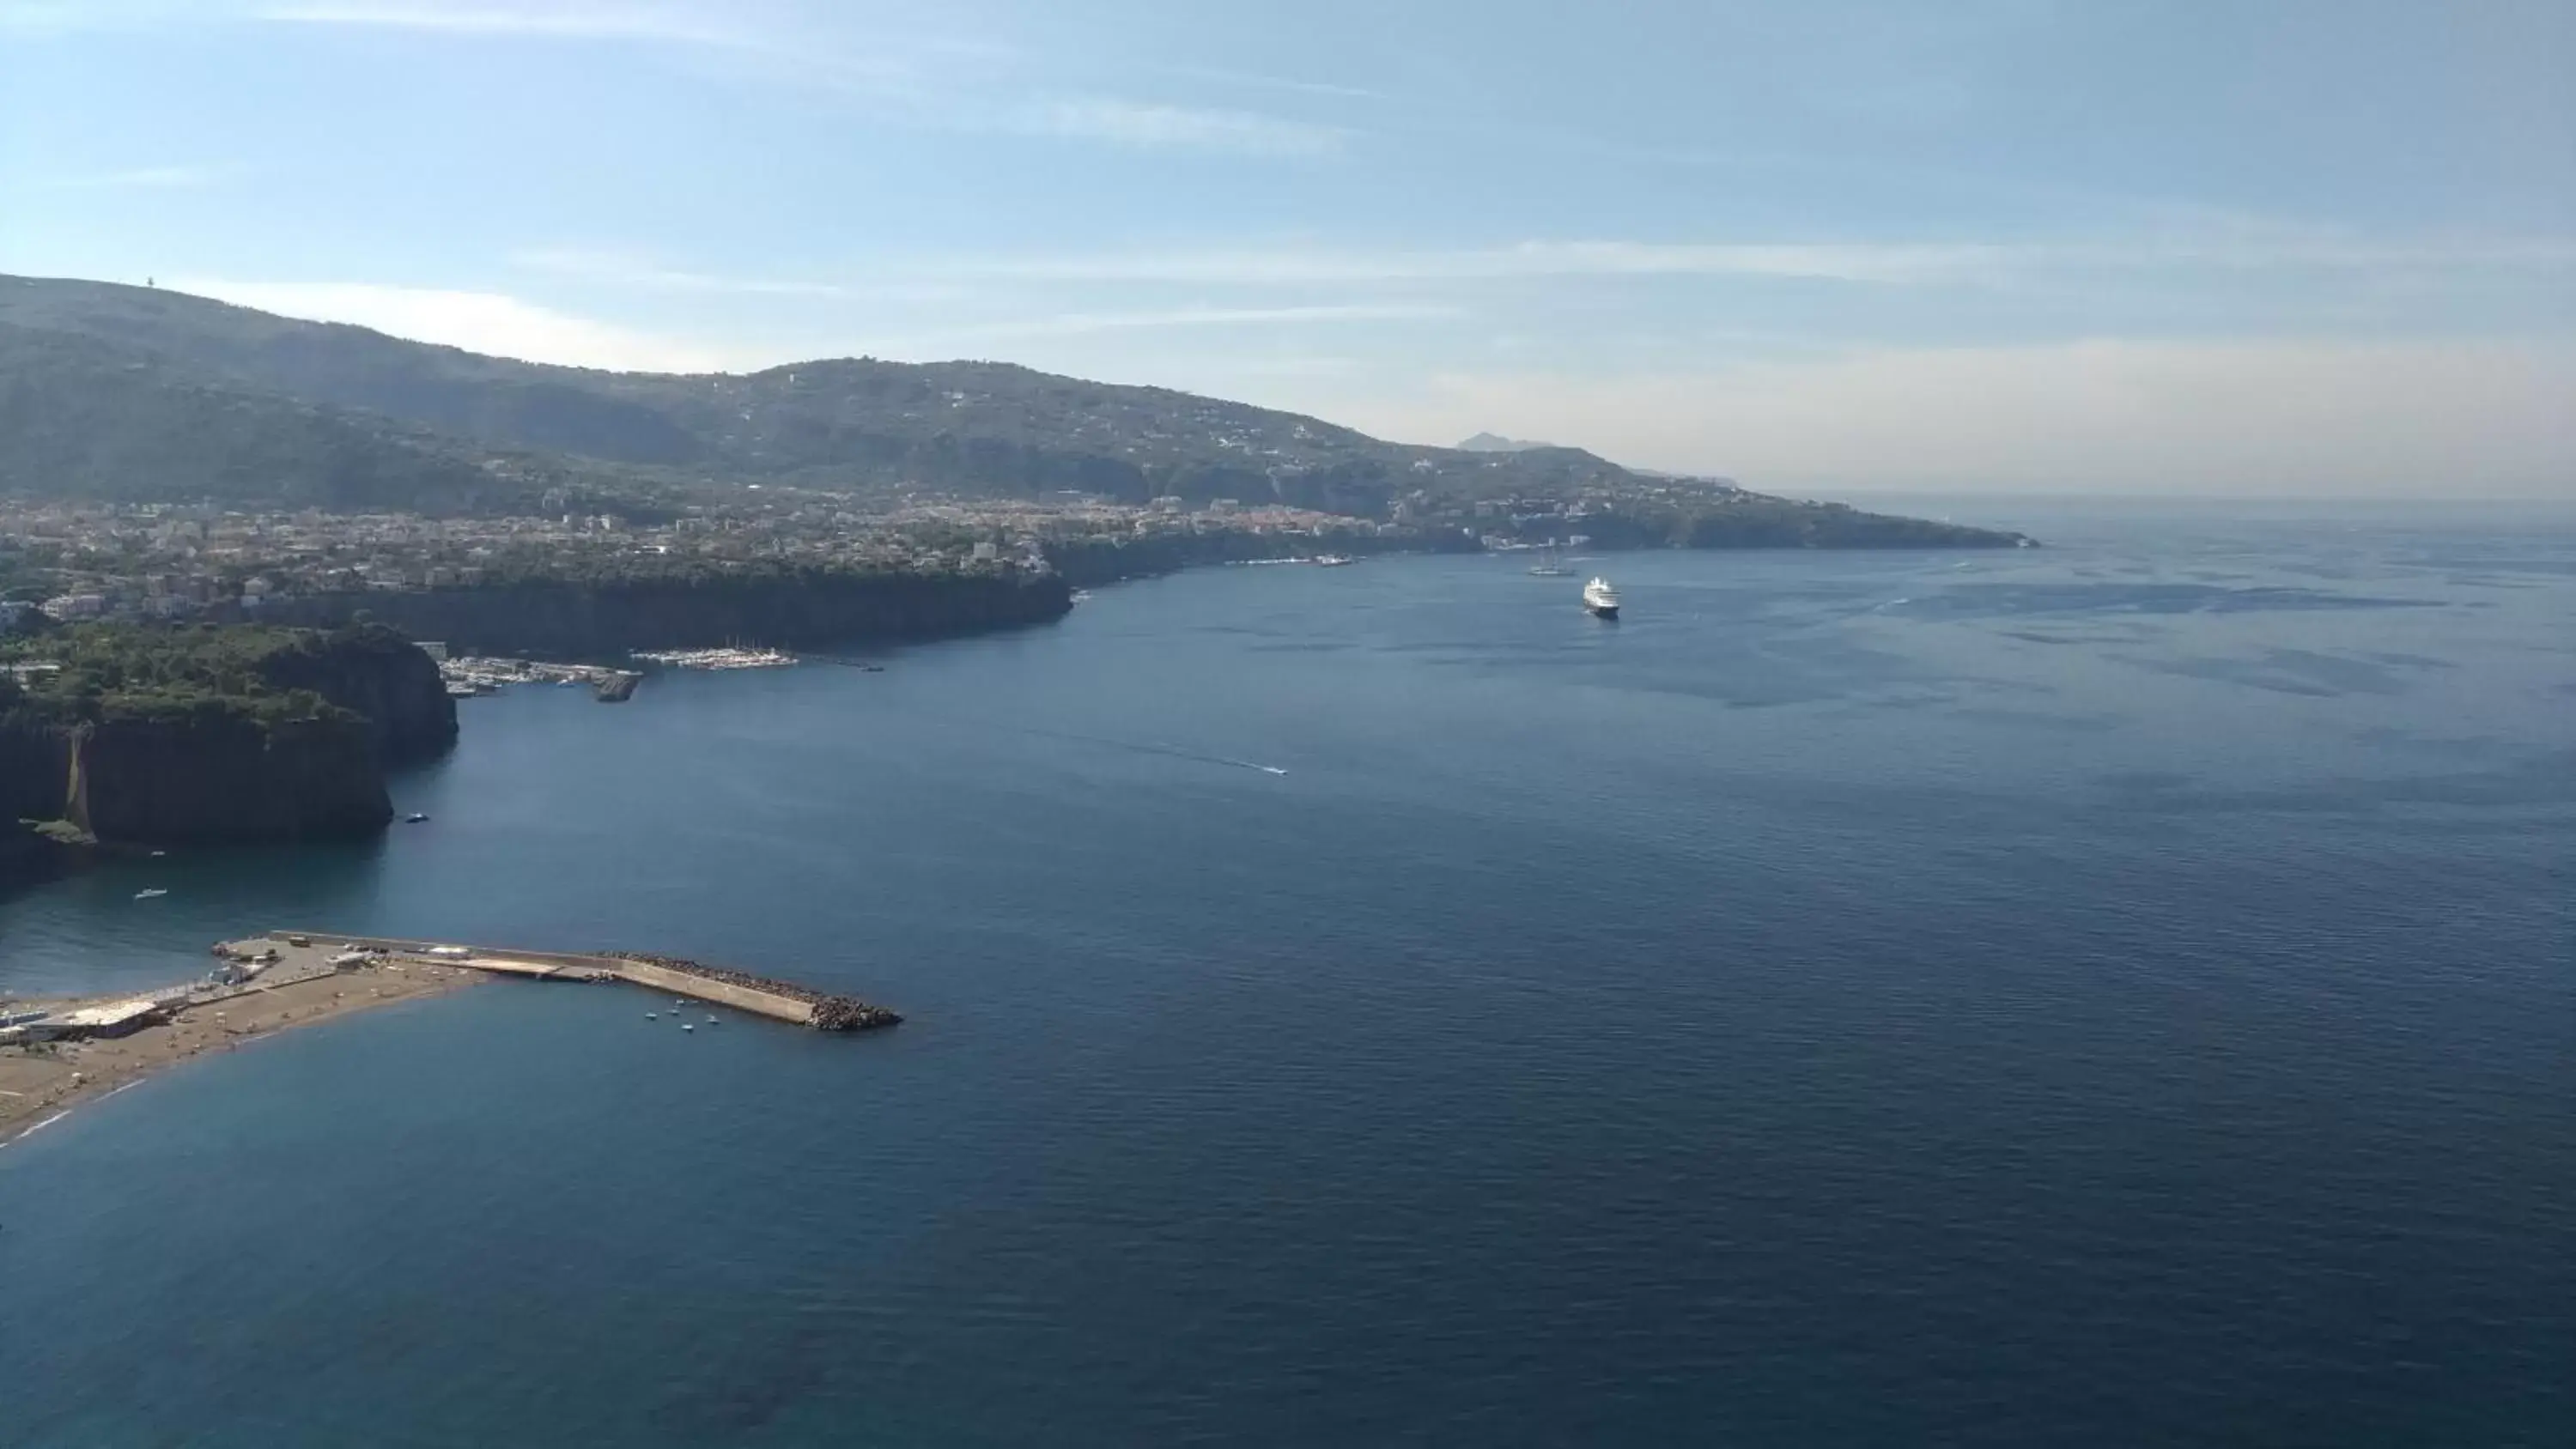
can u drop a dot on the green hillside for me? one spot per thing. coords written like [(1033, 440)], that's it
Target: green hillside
[(128, 392)]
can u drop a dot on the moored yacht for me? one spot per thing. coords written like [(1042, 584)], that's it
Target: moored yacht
[(1600, 600)]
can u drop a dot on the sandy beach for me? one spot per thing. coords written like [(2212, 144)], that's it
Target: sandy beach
[(39, 1085)]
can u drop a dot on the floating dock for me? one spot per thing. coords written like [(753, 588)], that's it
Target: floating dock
[(670, 975)]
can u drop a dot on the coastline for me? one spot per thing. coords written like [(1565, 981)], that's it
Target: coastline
[(38, 1090)]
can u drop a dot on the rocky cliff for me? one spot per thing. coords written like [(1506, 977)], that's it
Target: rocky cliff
[(151, 736), (220, 778), (217, 776), (35, 763), (1090, 562), (794, 609), (375, 672)]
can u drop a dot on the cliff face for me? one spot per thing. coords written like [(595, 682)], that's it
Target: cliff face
[(228, 780), (570, 620), (217, 777), (35, 761), (229, 763), (1088, 563), (375, 672), (33, 765)]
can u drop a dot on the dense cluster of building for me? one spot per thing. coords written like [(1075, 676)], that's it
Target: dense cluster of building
[(81, 561)]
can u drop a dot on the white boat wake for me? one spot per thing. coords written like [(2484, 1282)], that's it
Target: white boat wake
[(1166, 751)]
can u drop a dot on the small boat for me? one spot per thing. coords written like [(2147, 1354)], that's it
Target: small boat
[(153, 894), (652, 1016), (415, 818), (1332, 561), (1600, 600), (684, 1026)]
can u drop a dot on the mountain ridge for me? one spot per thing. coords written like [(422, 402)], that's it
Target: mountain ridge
[(832, 422), (134, 393), (1497, 443)]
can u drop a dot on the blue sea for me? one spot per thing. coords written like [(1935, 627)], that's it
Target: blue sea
[(2122, 992)]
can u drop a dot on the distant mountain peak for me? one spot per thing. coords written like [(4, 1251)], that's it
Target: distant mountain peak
[(1497, 443)]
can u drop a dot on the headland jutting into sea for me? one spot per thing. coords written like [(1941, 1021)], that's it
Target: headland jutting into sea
[(221, 554)]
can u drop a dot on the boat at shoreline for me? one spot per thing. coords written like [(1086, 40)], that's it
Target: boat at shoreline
[(1601, 600), (725, 658)]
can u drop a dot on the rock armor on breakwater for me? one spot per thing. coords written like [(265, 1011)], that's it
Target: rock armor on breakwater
[(831, 1013)]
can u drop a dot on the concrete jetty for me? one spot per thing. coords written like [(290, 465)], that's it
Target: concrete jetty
[(670, 975)]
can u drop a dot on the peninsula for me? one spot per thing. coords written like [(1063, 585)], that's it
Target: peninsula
[(128, 395)]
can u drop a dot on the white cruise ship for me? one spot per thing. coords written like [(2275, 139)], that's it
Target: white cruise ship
[(1600, 600)]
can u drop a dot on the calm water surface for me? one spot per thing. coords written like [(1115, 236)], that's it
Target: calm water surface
[(2119, 993)]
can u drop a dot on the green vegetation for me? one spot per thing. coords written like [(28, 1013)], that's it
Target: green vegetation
[(201, 674), (600, 609), (126, 392), (138, 733), (101, 418)]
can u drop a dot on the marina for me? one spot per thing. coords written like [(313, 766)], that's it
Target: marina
[(718, 658), (475, 675)]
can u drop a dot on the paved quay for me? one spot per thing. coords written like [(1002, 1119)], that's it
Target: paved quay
[(671, 975)]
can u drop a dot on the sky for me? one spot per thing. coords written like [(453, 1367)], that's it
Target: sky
[(2257, 247)]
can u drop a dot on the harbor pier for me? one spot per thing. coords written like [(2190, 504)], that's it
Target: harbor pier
[(55, 1053), (670, 975)]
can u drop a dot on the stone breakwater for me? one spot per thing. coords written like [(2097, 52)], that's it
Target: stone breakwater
[(831, 1013)]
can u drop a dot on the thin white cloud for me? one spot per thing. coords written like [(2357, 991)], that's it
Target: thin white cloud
[(941, 82), (1873, 262), (489, 322), (951, 341), (1184, 128), (1076, 323), (658, 24), (42, 18), (747, 42), (150, 178), (626, 269), (1221, 76), (1882, 264), (2426, 418)]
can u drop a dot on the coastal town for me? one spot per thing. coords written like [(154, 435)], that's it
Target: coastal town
[(78, 561)]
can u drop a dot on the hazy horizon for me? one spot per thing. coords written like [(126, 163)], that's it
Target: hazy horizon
[(2005, 248)]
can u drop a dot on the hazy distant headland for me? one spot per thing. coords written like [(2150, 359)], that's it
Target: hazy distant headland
[(128, 393)]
